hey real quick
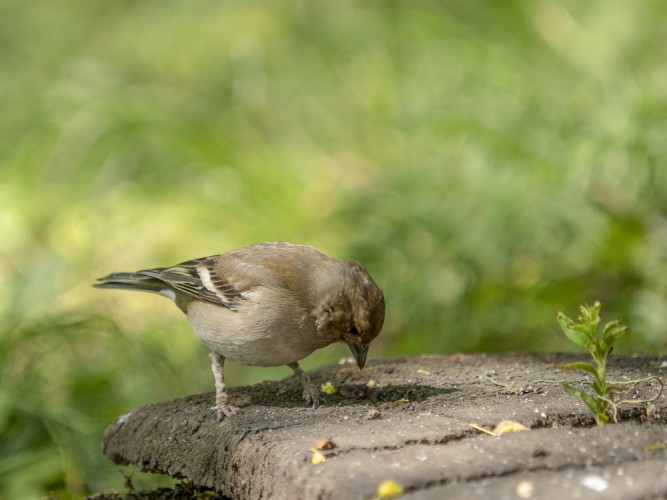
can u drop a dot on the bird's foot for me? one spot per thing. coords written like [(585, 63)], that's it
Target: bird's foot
[(311, 395), (224, 410), (310, 392)]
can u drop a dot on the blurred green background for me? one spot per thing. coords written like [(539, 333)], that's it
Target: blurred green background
[(489, 162)]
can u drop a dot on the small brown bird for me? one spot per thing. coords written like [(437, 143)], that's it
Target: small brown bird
[(268, 304)]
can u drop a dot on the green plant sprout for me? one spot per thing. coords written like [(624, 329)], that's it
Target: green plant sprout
[(605, 396)]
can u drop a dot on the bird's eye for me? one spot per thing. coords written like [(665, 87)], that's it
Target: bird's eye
[(353, 330)]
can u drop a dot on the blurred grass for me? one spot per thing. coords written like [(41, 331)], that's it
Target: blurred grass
[(489, 163)]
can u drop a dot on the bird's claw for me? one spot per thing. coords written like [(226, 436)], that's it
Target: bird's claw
[(224, 411)]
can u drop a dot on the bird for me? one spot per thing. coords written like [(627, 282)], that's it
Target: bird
[(268, 304)]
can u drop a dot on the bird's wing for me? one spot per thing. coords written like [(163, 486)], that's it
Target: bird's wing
[(219, 280)]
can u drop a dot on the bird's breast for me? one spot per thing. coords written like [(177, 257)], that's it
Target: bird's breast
[(264, 330)]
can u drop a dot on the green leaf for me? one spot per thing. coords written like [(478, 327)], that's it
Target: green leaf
[(591, 313), (613, 331), (574, 332), (589, 399), (587, 329), (580, 365), (565, 321), (611, 324)]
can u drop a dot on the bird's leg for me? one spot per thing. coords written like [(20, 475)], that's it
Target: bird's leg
[(224, 410), (310, 392)]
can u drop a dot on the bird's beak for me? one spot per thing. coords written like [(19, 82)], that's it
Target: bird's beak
[(359, 351)]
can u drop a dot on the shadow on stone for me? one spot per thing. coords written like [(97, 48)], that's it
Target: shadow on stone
[(273, 394)]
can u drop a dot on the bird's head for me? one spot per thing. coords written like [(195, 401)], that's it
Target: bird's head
[(365, 311)]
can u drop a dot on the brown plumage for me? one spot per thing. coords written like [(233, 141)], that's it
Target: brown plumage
[(268, 304)]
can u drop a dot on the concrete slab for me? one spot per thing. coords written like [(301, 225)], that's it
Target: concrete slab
[(408, 420)]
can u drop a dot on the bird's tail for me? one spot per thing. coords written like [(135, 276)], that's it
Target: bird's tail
[(131, 281)]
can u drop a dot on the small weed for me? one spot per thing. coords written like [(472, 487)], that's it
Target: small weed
[(605, 396)]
